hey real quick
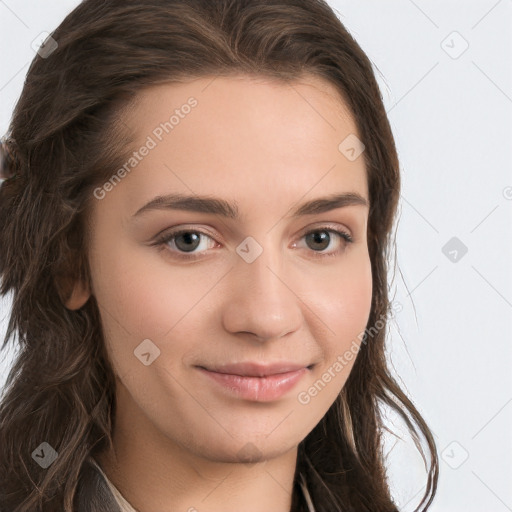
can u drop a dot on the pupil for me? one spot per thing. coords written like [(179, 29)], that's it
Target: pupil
[(319, 237), (188, 237)]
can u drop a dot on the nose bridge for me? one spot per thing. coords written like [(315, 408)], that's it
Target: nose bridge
[(262, 300)]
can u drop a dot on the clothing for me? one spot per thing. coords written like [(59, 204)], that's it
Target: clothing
[(121, 501), (124, 506)]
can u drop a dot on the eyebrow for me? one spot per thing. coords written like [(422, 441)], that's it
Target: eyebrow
[(218, 206)]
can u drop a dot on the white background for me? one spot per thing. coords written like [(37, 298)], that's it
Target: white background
[(451, 114)]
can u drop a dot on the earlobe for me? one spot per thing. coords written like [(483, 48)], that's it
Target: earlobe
[(71, 281), (79, 296)]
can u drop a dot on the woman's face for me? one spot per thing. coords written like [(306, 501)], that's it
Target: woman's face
[(251, 286)]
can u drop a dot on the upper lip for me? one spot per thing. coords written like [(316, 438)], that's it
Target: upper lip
[(253, 369)]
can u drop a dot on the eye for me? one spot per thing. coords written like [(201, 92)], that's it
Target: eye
[(184, 242), (321, 237)]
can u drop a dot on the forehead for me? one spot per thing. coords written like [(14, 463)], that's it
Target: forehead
[(240, 135)]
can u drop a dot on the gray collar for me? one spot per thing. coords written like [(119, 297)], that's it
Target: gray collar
[(105, 496)]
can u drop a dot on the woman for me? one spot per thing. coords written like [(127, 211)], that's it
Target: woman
[(245, 371)]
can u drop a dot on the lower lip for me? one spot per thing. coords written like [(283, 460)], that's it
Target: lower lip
[(259, 389)]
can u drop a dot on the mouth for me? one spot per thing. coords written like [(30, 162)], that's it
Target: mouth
[(254, 382), (254, 369)]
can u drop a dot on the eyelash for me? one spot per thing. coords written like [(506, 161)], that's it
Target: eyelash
[(164, 239)]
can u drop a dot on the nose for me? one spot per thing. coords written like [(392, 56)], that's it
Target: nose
[(262, 298)]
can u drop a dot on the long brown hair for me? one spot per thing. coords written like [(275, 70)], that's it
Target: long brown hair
[(66, 138)]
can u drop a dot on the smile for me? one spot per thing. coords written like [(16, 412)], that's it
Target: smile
[(260, 389)]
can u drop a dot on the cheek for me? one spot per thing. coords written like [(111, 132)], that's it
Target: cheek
[(346, 306), (141, 296), (134, 304), (343, 304), (129, 283)]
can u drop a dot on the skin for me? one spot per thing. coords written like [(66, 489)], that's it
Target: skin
[(269, 146)]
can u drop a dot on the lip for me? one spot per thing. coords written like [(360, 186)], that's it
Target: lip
[(252, 369), (267, 388)]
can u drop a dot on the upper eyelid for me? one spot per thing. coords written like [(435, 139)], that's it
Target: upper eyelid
[(326, 226), (165, 237)]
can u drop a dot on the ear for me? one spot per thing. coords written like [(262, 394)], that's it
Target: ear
[(72, 287), (79, 295)]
